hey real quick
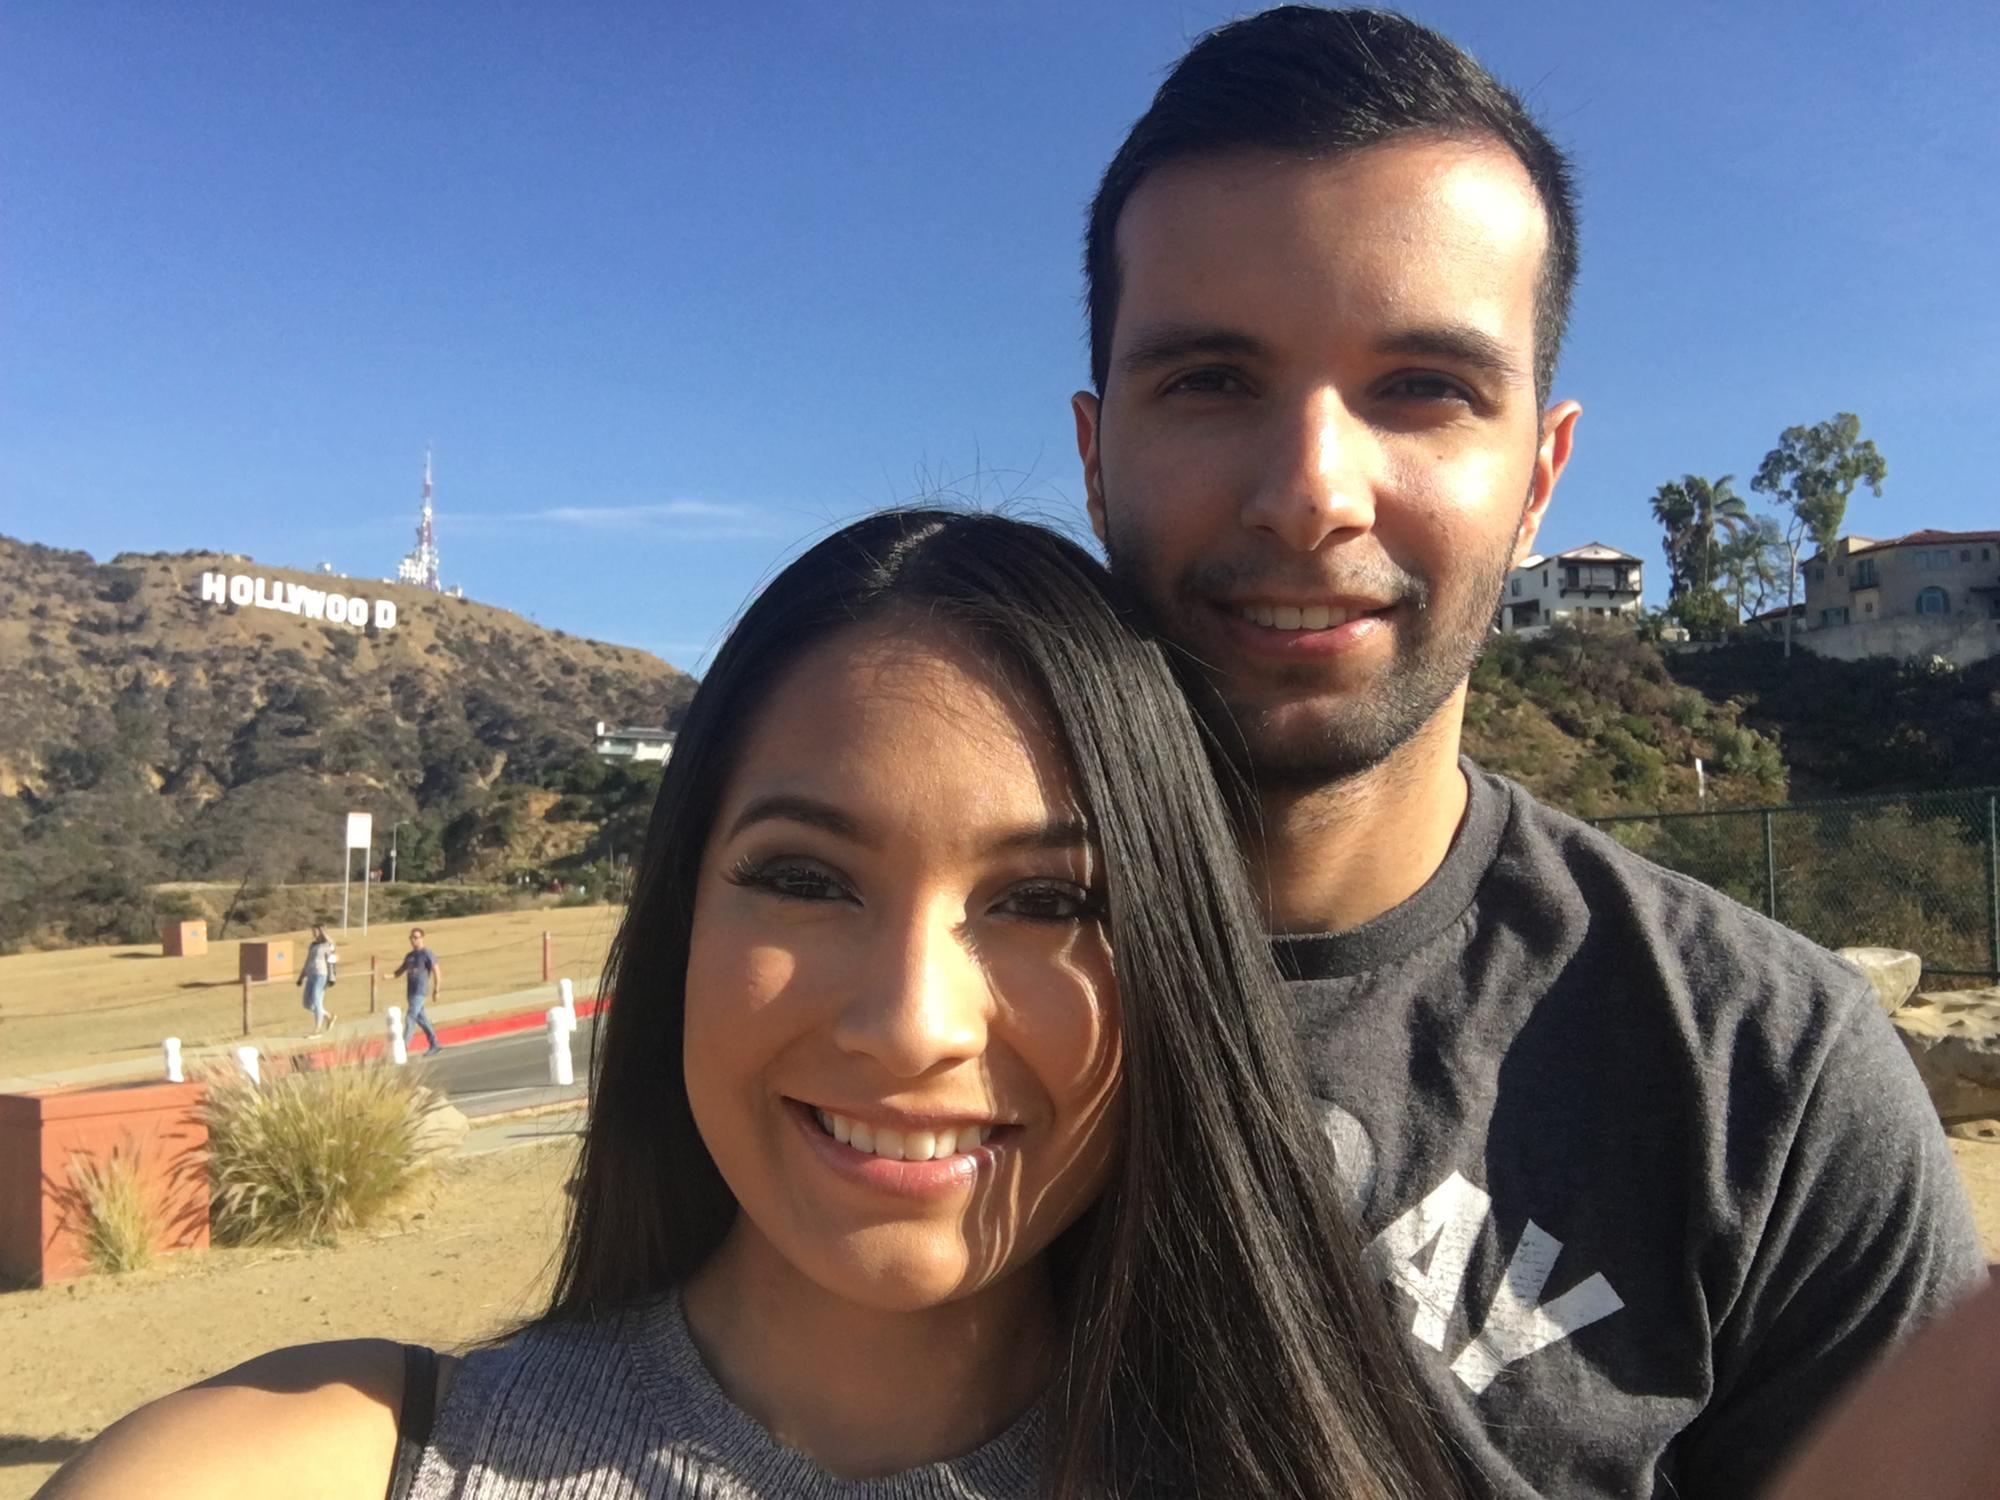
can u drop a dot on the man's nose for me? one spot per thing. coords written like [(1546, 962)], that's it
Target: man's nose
[(1316, 479), (926, 1002)]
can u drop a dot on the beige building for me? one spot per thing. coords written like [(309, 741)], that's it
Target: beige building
[(1928, 594), (1591, 581), (1937, 574)]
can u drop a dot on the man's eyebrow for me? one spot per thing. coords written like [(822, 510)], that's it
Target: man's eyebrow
[(790, 807), (1458, 343), (1168, 342)]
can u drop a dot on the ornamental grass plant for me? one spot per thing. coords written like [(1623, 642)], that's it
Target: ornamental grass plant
[(121, 1224), (307, 1154)]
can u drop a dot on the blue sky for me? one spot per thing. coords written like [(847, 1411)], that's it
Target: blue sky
[(673, 287)]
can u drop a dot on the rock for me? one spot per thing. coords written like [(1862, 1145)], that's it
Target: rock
[(441, 1129), (1977, 1130), (1893, 972), (1954, 1039)]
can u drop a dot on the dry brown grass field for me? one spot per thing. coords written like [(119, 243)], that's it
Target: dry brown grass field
[(92, 1005), (469, 1256)]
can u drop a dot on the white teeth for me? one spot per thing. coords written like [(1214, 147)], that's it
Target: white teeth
[(897, 1145), (1296, 617)]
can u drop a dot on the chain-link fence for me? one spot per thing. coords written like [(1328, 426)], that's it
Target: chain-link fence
[(1919, 872)]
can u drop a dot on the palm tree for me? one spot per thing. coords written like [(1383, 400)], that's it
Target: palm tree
[(1753, 564), (1673, 508), (1716, 507)]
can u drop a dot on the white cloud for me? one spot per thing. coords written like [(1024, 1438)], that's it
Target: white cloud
[(676, 520)]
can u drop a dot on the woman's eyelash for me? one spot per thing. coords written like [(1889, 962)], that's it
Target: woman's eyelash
[(792, 879)]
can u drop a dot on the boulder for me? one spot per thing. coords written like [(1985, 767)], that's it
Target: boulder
[(1893, 972), (1976, 1130), (441, 1129), (1954, 1038)]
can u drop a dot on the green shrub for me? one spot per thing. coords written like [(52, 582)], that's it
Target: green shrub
[(306, 1155), (120, 1225)]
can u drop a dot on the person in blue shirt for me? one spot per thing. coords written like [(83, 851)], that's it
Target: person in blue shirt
[(424, 980)]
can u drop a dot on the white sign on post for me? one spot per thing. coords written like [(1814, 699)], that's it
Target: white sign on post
[(360, 835)]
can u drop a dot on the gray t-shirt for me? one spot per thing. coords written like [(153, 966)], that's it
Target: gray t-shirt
[(1650, 1176)]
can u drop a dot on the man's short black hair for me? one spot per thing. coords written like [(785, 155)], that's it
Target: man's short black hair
[(1310, 82)]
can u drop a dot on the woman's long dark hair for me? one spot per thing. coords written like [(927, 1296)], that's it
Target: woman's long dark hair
[(1222, 1337)]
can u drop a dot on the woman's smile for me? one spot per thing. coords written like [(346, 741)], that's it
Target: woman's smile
[(909, 1162)]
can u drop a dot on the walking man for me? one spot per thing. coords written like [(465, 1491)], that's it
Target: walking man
[(423, 981), (1648, 1176)]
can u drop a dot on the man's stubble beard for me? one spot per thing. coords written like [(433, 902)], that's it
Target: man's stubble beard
[(1364, 729)]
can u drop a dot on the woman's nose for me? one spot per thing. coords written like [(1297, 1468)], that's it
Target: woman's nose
[(925, 1003)]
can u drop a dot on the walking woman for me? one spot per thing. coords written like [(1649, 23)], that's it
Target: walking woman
[(316, 974), (947, 1137)]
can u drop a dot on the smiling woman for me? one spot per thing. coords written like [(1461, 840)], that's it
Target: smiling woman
[(947, 1135)]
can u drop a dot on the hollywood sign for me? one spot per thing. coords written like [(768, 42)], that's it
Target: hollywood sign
[(247, 592)]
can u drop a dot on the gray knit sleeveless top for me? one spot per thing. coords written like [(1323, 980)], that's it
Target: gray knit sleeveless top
[(624, 1409)]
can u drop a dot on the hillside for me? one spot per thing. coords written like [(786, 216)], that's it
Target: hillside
[(148, 734)]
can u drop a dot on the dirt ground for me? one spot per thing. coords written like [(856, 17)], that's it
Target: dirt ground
[(470, 1254), (92, 1005)]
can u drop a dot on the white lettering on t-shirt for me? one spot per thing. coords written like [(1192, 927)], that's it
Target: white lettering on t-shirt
[(1449, 1221)]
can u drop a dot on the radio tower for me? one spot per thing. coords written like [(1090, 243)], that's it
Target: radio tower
[(421, 566)]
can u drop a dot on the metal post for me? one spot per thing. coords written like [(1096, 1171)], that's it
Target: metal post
[(1770, 871), (367, 879), (1993, 883), (548, 966), (246, 1005), (372, 977)]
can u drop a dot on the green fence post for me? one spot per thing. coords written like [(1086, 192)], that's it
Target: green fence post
[(1993, 885), (1770, 870)]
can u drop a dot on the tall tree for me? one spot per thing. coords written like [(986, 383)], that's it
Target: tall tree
[(1752, 566), (1673, 508), (1810, 475), (1691, 511)]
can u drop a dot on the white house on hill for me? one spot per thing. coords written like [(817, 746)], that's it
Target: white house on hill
[(1588, 581), (633, 743)]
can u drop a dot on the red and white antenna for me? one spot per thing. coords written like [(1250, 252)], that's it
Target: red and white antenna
[(421, 566)]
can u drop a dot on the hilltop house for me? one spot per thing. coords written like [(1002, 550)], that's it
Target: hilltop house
[(629, 744), (1585, 582), (1930, 593)]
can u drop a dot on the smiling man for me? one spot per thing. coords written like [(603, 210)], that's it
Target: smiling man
[(1649, 1176)]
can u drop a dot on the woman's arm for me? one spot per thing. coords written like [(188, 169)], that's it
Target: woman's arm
[(316, 1422), (1925, 1422)]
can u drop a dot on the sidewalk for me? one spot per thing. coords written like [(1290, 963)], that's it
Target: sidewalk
[(457, 1021)]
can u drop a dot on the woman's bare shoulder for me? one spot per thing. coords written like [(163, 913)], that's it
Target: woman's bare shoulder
[(315, 1422)]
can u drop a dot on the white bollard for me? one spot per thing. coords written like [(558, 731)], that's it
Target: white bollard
[(561, 1023), (172, 1047), (246, 1059), (568, 993), (398, 1053)]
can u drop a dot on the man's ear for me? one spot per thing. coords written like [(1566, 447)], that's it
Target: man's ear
[(1551, 458), (1088, 411)]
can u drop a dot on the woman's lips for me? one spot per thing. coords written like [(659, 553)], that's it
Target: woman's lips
[(936, 1176)]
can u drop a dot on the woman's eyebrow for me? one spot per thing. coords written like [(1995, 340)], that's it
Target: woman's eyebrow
[(1058, 833), (790, 807)]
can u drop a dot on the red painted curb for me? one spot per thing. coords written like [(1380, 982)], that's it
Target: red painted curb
[(464, 1031)]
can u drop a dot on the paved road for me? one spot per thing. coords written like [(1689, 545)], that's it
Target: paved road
[(503, 1072)]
